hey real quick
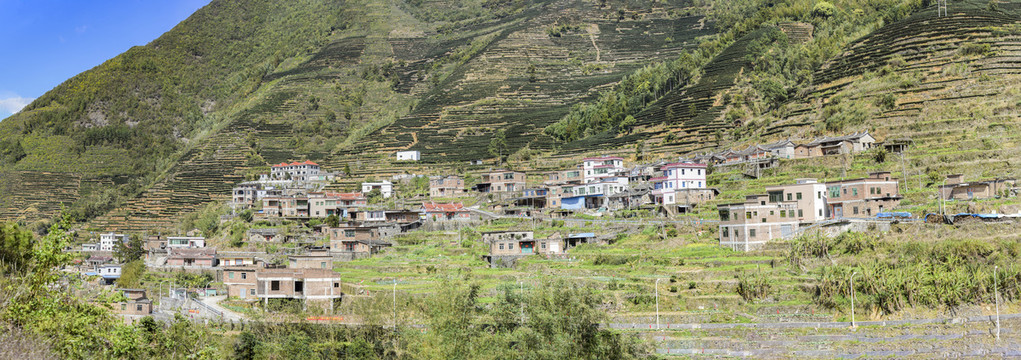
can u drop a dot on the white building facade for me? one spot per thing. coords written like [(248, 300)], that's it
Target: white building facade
[(385, 187), (678, 176), (598, 168)]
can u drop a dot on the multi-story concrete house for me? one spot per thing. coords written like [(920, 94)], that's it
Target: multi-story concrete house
[(597, 168), (847, 144), (955, 188), (109, 241), (778, 213), (675, 177), (186, 242), (564, 177), (299, 171), (317, 286), (865, 197), (109, 272), (591, 195), (447, 186), (385, 187), (325, 204), (239, 258), (501, 181)]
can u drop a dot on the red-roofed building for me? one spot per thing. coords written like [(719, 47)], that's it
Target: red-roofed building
[(300, 171), (446, 212), (326, 204)]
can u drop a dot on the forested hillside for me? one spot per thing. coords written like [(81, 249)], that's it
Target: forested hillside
[(165, 128)]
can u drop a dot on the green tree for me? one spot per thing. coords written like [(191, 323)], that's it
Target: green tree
[(347, 169), (133, 250), (15, 248), (246, 215), (333, 220), (375, 196), (824, 9), (131, 274), (498, 145), (628, 124)]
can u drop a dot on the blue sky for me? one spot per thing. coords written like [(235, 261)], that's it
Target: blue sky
[(44, 42)]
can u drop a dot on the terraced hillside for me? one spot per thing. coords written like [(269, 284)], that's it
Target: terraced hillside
[(950, 84), (524, 78)]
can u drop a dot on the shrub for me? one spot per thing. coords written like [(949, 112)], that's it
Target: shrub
[(824, 9)]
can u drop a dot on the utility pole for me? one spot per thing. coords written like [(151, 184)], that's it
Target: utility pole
[(996, 294), (657, 303), (853, 326)]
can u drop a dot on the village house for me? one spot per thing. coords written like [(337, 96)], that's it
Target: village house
[(446, 212), (865, 197), (847, 144), (385, 187), (109, 241), (675, 177), (354, 242), (299, 171), (409, 155), (186, 242), (447, 186), (310, 261), (267, 235), (317, 286), (501, 181), (597, 168), (532, 198), (136, 304), (783, 149), (240, 281), (285, 206), (955, 188), (191, 257), (109, 272), (325, 204), (778, 213), (591, 195), (507, 246), (90, 247), (239, 258), (632, 198), (563, 177)]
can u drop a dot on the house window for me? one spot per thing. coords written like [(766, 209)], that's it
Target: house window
[(724, 215), (747, 214), (124, 307), (510, 246), (783, 213), (138, 308), (763, 219), (244, 276), (818, 194), (820, 212), (274, 285), (299, 286), (845, 191), (251, 291), (854, 192), (543, 245), (751, 233), (801, 213), (799, 196), (855, 210), (834, 191), (788, 196), (322, 264), (230, 275), (501, 246), (770, 212), (336, 285), (349, 233)]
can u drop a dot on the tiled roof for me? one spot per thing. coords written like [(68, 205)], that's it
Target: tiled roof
[(683, 165), (604, 158), (434, 207)]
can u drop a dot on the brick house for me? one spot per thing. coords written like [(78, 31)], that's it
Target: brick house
[(508, 246), (863, 197), (321, 205), (137, 303), (956, 189), (447, 186), (320, 286), (847, 144), (240, 281), (311, 261), (501, 181), (355, 242)]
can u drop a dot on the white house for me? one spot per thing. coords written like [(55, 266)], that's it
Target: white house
[(677, 176), (385, 187), (300, 171), (410, 155), (110, 272), (597, 168), (108, 242), (186, 242)]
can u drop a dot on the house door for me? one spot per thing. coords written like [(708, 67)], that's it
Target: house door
[(838, 211), (527, 247), (786, 230)]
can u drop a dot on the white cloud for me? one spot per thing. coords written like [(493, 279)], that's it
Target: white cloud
[(13, 104)]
